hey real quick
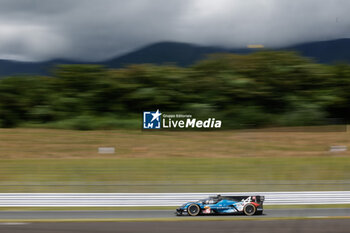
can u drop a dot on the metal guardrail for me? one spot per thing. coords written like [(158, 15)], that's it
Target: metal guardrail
[(160, 199)]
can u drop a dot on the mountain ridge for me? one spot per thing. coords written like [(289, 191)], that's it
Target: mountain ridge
[(182, 54)]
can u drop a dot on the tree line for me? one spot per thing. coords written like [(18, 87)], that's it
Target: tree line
[(266, 88)]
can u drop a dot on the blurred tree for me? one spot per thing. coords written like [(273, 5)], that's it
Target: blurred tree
[(267, 88)]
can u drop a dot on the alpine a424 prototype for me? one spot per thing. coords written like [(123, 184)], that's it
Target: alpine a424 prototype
[(248, 205)]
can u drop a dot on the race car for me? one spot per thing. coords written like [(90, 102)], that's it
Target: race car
[(248, 205)]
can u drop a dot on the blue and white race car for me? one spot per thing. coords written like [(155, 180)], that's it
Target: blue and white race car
[(248, 205)]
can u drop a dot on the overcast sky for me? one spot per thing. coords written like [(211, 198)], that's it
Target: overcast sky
[(92, 30)]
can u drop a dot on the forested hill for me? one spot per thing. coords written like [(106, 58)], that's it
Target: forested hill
[(325, 51), (183, 54), (266, 88)]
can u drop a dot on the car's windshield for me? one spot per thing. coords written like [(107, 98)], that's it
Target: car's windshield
[(209, 201)]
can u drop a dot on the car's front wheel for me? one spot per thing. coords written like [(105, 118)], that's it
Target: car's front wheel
[(193, 210), (249, 209)]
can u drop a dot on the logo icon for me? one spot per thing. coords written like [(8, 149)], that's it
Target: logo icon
[(151, 120)]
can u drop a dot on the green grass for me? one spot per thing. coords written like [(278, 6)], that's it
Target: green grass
[(173, 174), (52, 143), (51, 160)]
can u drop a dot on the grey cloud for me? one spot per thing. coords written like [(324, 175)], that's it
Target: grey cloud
[(99, 29)]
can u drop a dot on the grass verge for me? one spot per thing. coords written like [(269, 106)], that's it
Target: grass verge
[(48, 160), (53, 143), (175, 174)]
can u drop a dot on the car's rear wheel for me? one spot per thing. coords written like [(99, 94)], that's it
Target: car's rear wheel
[(193, 210), (249, 209)]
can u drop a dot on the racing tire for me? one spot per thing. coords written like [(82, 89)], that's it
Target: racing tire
[(249, 209), (193, 210)]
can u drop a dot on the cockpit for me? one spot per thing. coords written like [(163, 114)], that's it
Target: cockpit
[(210, 200)]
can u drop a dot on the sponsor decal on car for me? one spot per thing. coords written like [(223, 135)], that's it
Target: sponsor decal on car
[(207, 210)]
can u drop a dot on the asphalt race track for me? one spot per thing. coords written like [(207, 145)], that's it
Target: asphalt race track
[(159, 214), (164, 221), (268, 226)]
